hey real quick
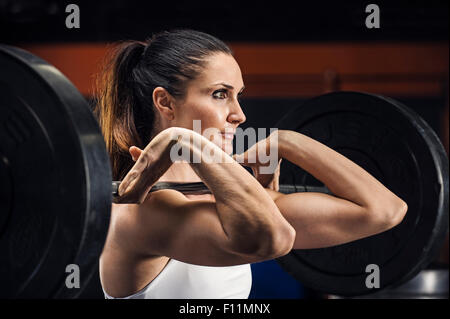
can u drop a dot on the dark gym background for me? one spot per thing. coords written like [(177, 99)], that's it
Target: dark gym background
[(287, 54)]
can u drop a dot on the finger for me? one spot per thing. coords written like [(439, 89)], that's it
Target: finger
[(255, 173), (130, 184), (135, 152), (277, 170), (241, 159), (272, 185), (123, 187), (238, 157), (129, 179)]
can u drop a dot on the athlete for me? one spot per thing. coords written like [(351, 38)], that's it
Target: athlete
[(166, 244)]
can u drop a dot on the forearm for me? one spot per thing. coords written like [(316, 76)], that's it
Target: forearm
[(343, 178), (247, 212)]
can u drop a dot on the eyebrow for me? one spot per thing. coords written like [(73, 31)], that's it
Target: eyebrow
[(228, 86)]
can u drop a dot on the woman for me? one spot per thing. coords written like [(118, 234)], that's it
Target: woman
[(171, 245)]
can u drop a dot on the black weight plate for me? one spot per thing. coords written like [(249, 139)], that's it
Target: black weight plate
[(55, 180), (398, 148)]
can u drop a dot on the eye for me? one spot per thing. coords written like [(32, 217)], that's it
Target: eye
[(239, 97), (220, 94)]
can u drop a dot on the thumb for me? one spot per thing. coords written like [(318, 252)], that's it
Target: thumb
[(135, 152), (240, 158)]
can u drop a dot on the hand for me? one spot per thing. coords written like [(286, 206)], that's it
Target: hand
[(270, 181), (264, 160), (150, 165), (127, 195)]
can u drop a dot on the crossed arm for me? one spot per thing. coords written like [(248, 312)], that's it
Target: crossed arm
[(245, 223), (361, 206)]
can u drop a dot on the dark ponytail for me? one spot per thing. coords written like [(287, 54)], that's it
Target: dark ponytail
[(124, 90)]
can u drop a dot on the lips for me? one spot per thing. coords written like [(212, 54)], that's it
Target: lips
[(228, 134)]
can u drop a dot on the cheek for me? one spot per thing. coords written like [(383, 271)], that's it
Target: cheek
[(210, 115), (187, 114), (213, 119)]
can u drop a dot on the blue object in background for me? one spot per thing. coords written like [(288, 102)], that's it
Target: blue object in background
[(272, 282)]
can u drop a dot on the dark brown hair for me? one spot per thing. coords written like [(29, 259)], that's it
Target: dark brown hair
[(132, 70)]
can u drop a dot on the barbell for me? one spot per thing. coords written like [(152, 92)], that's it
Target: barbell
[(56, 193)]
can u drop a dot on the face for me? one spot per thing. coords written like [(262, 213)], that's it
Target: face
[(212, 98)]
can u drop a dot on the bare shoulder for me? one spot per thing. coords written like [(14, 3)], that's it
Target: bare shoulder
[(138, 228), (124, 269), (127, 219)]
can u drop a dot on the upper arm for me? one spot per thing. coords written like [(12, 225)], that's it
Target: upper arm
[(168, 224), (323, 220)]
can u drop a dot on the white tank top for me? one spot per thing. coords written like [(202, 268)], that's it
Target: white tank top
[(179, 280)]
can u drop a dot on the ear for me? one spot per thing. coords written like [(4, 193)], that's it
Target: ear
[(164, 103)]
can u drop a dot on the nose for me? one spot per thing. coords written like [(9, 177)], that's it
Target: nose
[(236, 115)]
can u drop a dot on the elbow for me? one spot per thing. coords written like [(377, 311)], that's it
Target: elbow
[(390, 216), (285, 242), (398, 213), (266, 240), (277, 243)]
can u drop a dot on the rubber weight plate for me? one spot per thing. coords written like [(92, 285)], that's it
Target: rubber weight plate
[(398, 148), (55, 180)]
